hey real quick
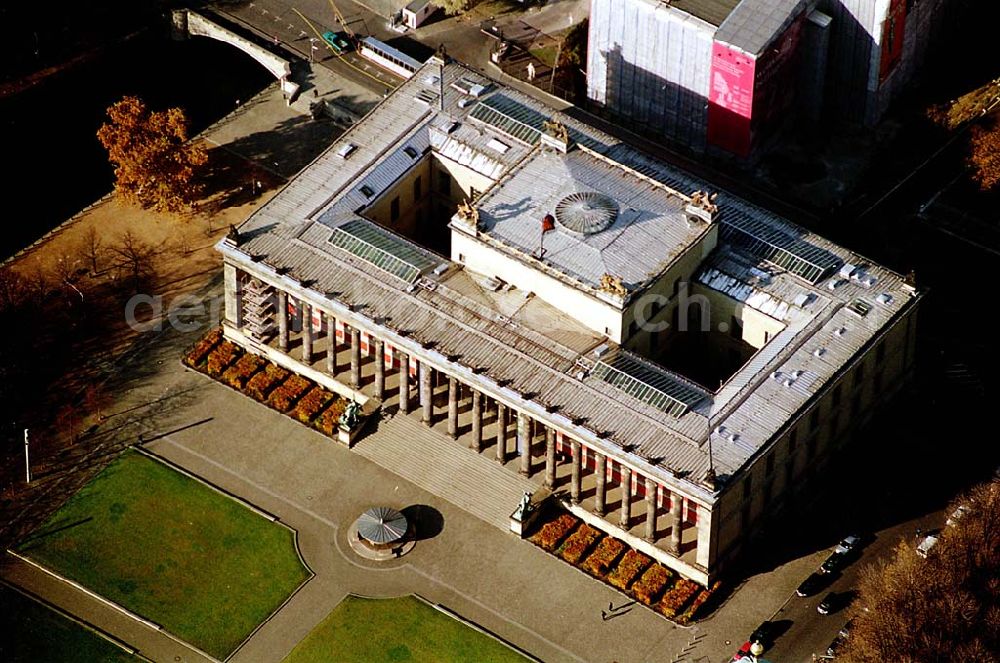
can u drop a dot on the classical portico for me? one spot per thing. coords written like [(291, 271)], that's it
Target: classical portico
[(352, 359)]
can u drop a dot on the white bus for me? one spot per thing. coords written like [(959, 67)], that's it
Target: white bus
[(388, 57)]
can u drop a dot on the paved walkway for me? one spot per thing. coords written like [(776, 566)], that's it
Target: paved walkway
[(469, 480)]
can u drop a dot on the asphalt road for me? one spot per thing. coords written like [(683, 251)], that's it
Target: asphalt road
[(805, 630)]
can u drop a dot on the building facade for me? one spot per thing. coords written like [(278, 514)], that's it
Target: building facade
[(673, 365), (724, 75)]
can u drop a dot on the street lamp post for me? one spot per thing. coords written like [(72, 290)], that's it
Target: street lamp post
[(27, 460)]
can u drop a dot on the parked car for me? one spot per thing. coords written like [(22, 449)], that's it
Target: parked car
[(834, 646), (827, 605), (926, 545), (845, 631), (956, 515), (847, 544), (835, 562), (810, 585), (337, 42)]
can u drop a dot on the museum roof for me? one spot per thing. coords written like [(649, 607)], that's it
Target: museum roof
[(312, 237), (637, 226)]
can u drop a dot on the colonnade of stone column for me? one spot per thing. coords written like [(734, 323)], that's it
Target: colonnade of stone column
[(525, 427)]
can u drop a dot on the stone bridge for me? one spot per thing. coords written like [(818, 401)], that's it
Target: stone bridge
[(187, 23)]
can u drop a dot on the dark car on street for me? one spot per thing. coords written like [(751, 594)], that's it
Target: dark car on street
[(828, 604), (811, 585), (848, 544), (835, 562), (834, 646)]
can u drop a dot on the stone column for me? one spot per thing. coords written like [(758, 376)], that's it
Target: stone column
[(307, 334), (234, 295), (452, 407), (550, 458), (703, 556), (650, 510), (355, 357), (574, 489), (404, 383), (477, 421), (676, 502), (625, 516), (501, 433), (379, 391), (426, 403), (524, 439), (331, 336), (282, 314), (602, 475)]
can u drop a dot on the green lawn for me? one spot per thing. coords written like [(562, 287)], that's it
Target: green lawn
[(33, 632), (547, 54), (404, 629), (172, 550)]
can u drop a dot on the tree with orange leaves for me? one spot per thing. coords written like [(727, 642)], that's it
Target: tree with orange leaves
[(942, 608), (155, 165), (985, 153)]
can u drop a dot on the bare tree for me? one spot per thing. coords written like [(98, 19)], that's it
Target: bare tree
[(13, 289), (92, 248), (134, 257)]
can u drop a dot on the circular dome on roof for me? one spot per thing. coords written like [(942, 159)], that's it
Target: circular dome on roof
[(586, 212)]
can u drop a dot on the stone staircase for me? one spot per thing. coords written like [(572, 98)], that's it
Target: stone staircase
[(442, 466)]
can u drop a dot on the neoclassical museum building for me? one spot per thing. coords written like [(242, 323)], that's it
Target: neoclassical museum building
[(675, 363)]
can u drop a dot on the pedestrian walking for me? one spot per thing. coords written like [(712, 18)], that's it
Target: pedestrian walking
[(531, 71)]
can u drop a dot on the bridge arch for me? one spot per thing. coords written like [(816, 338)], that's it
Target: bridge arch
[(189, 23)]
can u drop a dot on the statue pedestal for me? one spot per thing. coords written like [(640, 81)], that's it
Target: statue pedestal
[(346, 436), (520, 525)]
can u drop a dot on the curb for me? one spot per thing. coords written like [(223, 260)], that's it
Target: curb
[(58, 229), (177, 468), (72, 583), (443, 609)]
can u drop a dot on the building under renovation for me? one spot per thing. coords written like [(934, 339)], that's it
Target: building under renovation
[(725, 74), (674, 365)]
